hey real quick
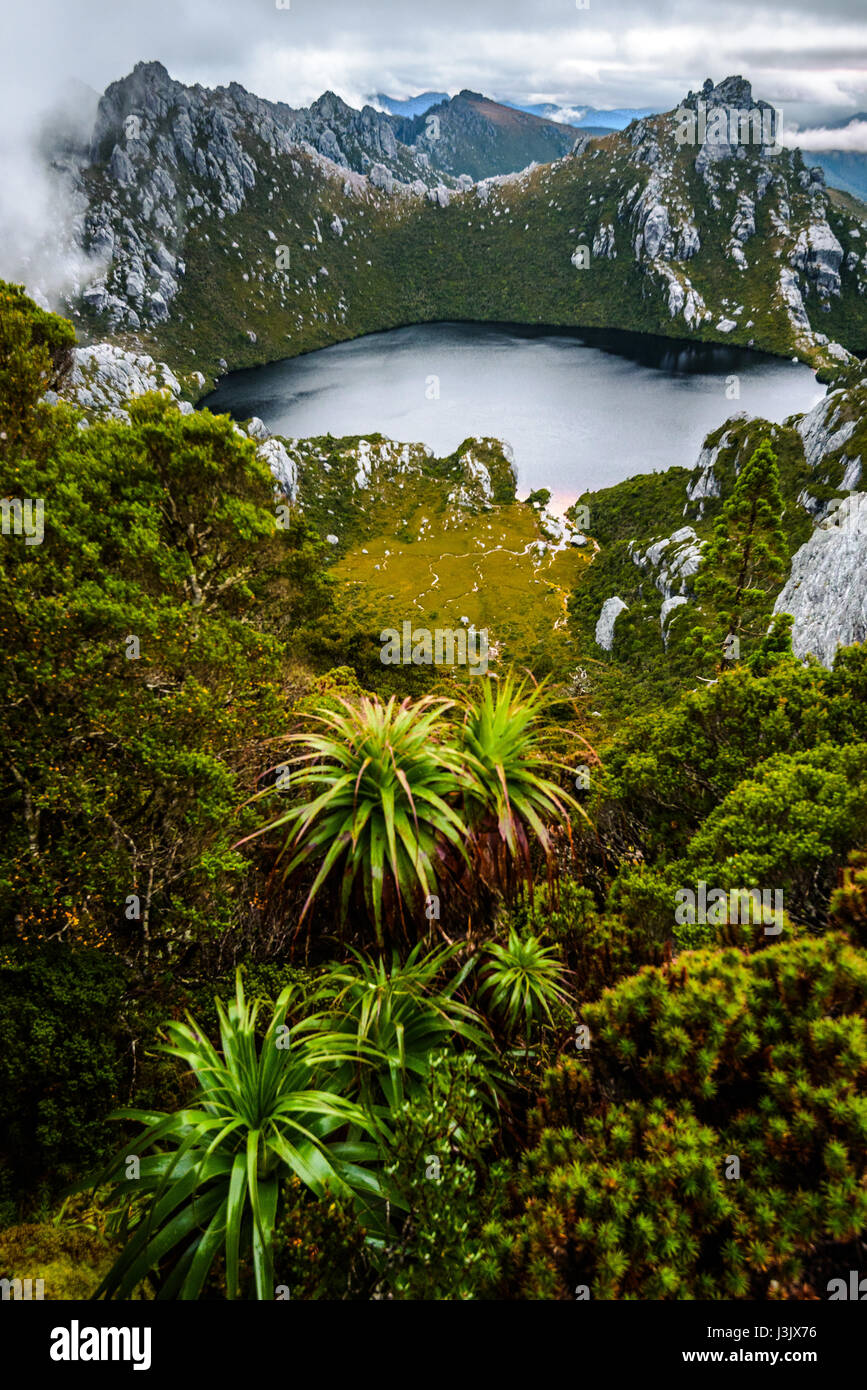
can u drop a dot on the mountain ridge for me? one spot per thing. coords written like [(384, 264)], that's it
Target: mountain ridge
[(191, 194)]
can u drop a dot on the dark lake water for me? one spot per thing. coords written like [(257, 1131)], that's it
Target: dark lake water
[(579, 410)]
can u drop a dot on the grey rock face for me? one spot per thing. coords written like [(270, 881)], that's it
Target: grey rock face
[(668, 607), (258, 430), (818, 254), (604, 243), (826, 591), (682, 297), (744, 224), (688, 242), (609, 613), (169, 154), (825, 433), (791, 296), (763, 183), (381, 177), (120, 168), (819, 429), (704, 483), (734, 120), (656, 229), (284, 468)]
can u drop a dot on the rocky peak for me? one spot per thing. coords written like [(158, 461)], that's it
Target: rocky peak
[(735, 92), (732, 91), (331, 107), (148, 92)]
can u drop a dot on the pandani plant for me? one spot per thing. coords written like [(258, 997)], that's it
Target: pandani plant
[(391, 801), (404, 1011), (510, 802), (206, 1177), (379, 783)]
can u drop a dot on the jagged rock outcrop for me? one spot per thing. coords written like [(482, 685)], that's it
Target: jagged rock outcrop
[(729, 137), (726, 119), (822, 429), (705, 484), (665, 612), (604, 243), (834, 441), (282, 465), (488, 475), (173, 156), (670, 562), (791, 296), (826, 591), (104, 377)]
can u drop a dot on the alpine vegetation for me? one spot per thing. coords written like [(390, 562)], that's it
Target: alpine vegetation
[(434, 867), (443, 647)]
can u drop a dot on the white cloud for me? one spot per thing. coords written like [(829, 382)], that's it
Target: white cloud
[(851, 138), (618, 53)]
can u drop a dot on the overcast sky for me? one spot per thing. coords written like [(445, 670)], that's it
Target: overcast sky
[(809, 59)]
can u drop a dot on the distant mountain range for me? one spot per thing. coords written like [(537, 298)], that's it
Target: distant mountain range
[(584, 117), (845, 169), (567, 113), (229, 230), (470, 134), (412, 106)]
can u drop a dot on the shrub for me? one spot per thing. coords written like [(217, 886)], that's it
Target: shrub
[(71, 1262), (440, 1165), (785, 829), (145, 674), (789, 826), (849, 901), (634, 1206), (62, 1067), (319, 1247), (758, 1058), (598, 948), (664, 773)]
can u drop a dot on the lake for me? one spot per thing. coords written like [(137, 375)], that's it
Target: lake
[(579, 409)]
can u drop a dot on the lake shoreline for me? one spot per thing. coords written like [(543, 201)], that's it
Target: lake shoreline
[(592, 335), (580, 410)]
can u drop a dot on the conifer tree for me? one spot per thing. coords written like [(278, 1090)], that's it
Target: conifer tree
[(743, 566)]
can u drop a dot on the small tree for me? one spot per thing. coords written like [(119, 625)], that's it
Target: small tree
[(744, 563)]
